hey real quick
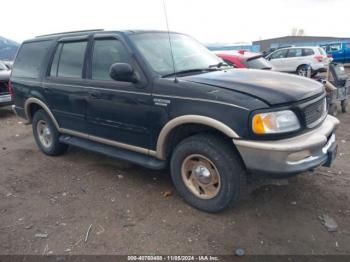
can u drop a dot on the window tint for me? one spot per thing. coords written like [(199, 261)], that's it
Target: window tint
[(347, 46), (295, 52), (29, 59), (72, 60), (279, 54), (54, 65), (334, 47), (308, 51), (107, 52)]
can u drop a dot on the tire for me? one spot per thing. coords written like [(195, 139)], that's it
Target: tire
[(46, 135), (302, 70), (344, 105), (224, 163), (333, 109)]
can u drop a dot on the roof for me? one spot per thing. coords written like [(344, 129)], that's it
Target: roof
[(302, 38), (85, 32)]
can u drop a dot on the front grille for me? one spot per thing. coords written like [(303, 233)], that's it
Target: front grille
[(315, 113)]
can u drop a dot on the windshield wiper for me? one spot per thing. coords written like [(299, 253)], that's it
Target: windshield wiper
[(188, 71), (218, 65)]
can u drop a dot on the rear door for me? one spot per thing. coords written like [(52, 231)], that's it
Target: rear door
[(117, 111), (294, 59), (65, 85)]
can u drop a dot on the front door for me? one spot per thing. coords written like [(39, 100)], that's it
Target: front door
[(117, 111)]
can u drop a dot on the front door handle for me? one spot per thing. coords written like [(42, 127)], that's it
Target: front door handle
[(95, 94)]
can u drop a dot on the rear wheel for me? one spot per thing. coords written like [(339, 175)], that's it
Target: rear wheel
[(207, 172), (46, 135), (302, 70), (344, 105)]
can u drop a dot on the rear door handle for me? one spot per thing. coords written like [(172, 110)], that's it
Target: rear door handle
[(95, 94)]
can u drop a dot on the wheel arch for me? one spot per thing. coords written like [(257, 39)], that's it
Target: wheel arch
[(181, 121), (33, 103)]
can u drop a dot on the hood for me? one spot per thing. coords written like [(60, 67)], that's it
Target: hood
[(5, 75), (271, 87)]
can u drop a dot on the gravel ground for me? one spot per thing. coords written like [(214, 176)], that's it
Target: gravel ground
[(47, 205)]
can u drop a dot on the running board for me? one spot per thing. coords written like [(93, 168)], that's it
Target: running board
[(114, 152)]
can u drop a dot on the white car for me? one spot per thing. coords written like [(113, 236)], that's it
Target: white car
[(298, 59)]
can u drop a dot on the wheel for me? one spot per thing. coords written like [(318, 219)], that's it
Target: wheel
[(333, 109), (344, 105), (207, 172), (46, 135), (302, 70)]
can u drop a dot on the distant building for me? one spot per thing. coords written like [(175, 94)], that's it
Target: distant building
[(267, 44)]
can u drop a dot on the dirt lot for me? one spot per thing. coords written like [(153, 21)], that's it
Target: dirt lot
[(63, 196)]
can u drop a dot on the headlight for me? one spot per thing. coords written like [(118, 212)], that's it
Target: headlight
[(275, 122)]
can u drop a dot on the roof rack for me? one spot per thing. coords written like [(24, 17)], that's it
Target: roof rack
[(72, 32)]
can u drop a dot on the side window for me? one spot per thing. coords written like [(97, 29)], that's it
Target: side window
[(308, 52), (29, 59), (105, 53), (347, 46), (295, 52), (279, 54), (334, 47), (72, 60)]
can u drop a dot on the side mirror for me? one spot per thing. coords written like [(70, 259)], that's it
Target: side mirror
[(122, 72)]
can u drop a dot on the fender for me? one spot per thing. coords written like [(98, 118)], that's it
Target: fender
[(189, 119), (33, 100)]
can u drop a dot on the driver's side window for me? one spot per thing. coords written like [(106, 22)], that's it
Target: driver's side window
[(105, 53)]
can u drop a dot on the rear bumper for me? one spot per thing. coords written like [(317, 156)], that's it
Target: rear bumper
[(290, 156), (5, 100)]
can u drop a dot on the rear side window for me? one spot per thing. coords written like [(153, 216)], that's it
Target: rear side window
[(347, 46), (296, 52), (107, 52), (69, 60), (308, 51), (30, 58)]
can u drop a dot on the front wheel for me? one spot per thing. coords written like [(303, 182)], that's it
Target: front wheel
[(46, 135), (207, 172)]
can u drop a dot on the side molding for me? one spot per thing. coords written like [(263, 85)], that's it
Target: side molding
[(189, 119)]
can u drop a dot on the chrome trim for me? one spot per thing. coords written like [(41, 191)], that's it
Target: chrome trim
[(33, 100), (189, 119)]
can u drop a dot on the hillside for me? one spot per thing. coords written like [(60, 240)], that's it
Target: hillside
[(8, 49)]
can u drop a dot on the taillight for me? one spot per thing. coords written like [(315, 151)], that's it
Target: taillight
[(319, 58), (10, 89), (329, 56)]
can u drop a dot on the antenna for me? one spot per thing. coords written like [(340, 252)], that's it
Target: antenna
[(171, 47)]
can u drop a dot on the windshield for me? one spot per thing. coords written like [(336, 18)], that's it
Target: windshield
[(3, 66), (258, 63), (188, 53)]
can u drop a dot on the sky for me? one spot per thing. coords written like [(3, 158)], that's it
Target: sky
[(209, 21)]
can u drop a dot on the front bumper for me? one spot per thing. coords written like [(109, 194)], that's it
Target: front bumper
[(293, 155)]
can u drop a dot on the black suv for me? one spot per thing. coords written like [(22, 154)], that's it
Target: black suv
[(131, 96)]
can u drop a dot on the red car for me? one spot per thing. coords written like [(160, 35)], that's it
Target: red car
[(244, 59)]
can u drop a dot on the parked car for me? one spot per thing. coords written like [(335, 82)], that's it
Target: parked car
[(244, 59), (340, 52), (126, 95), (5, 97), (299, 59)]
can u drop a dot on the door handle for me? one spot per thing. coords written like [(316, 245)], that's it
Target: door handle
[(95, 94)]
